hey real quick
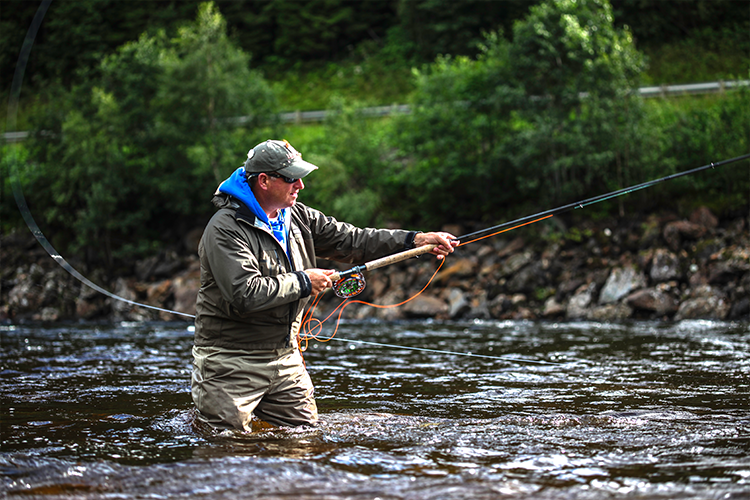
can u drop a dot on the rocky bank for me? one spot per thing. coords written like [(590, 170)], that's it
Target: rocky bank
[(662, 267)]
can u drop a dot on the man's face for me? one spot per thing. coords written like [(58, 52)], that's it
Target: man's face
[(283, 194)]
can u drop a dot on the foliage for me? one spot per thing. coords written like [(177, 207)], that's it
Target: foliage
[(348, 185), (688, 133), (12, 157), (289, 37), (128, 150), (513, 125), (137, 151)]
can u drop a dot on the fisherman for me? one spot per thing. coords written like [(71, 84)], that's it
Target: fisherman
[(258, 256)]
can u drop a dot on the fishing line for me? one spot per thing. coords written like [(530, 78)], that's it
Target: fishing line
[(439, 351)]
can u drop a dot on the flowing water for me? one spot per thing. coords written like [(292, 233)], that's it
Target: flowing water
[(640, 410)]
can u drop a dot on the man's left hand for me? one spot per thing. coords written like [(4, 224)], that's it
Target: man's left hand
[(445, 242)]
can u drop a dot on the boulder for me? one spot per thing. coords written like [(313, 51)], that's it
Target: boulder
[(665, 266), (458, 305), (654, 300), (619, 283), (579, 303), (425, 306), (706, 302)]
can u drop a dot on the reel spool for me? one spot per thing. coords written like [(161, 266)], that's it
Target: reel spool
[(349, 285)]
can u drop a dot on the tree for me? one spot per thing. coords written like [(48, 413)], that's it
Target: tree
[(141, 149), (544, 118)]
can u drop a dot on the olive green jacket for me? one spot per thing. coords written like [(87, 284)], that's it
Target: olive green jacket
[(252, 296)]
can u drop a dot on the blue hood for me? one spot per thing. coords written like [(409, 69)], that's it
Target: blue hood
[(236, 185)]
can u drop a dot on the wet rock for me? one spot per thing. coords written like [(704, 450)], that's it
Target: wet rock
[(185, 289), (90, 308), (652, 300), (528, 278), (458, 305), (425, 306), (740, 309), (665, 266), (609, 312), (706, 303), (619, 283), (479, 307), (722, 273), (552, 308), (499, 305), (515, 262), (579, 303), (457, 268)]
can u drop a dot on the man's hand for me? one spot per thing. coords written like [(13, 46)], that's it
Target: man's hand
[(320, 279), (445, 242)]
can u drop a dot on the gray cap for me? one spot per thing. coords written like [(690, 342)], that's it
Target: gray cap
[(279, 157)]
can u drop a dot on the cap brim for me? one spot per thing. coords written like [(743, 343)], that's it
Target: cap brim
[(298, 169)]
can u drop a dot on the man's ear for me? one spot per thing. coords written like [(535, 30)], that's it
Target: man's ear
[(261, 181)]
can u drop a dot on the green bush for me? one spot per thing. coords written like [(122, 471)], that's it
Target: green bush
[(136, 155)]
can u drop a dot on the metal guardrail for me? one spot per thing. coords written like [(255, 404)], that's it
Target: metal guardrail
[(300, 117)]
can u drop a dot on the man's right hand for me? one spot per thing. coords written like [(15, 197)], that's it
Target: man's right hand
[(320, 279)]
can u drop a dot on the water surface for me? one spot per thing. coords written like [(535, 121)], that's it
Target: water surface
[(638, 410)]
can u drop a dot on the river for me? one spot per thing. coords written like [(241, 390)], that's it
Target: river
[(637, 411)]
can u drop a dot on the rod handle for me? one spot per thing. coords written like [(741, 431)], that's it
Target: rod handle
[(386, 261)]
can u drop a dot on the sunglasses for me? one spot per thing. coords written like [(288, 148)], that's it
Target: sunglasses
[(288, 180)]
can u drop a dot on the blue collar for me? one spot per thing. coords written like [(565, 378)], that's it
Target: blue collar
[(237, 186)]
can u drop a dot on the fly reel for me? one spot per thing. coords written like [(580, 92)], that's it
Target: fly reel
[(349, 285)]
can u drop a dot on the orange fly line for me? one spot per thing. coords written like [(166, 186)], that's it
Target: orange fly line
[(312, 327)]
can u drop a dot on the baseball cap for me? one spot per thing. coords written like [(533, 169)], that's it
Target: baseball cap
[(279, 157)]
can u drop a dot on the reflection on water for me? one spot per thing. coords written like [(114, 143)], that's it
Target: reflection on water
[(642, 410)]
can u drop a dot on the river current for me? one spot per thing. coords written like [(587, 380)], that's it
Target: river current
[(632, 411)]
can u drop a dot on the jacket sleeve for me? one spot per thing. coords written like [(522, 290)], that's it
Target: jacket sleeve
[(249, 282), (344, 242)]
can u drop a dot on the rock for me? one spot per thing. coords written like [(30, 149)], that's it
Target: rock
[(552, 308), (479, 307), (610, 312), (528, 279), (706, 303), (675, 232), (619, 283), (652, 300), (665, 266), (458, 268), (88, 309), (185, 289), (157, 293), (579, 302), (511, 248), (457, 303), (740, 309), (425, 306), (515, 262), (703, 217), (390, 313), (499, 305)]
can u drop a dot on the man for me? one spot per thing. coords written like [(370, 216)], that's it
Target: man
[(258, 255)]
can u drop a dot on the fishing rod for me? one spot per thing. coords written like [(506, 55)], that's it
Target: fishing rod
[(351, 282)]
